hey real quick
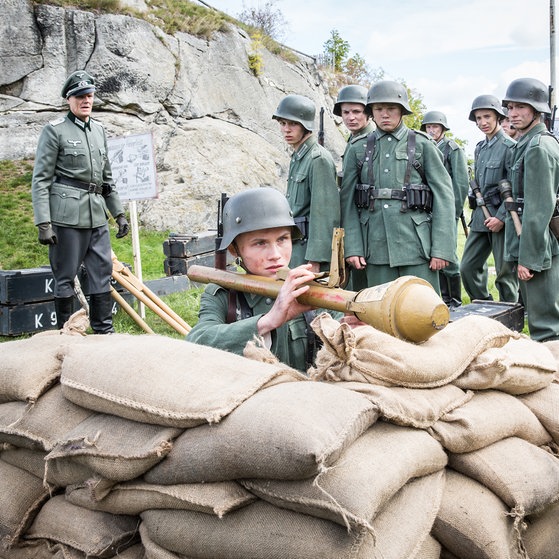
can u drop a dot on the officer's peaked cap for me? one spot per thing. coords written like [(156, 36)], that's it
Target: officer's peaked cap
[(78, 83)]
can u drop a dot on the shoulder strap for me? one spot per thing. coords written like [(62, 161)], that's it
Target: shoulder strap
[(368, 156), (412, 162), (237, 307)]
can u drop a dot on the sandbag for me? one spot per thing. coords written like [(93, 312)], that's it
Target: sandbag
[(488, 417), (542, 536), (371, 471), (472, 522), (43, 422), (95, 533), (545, 405), (289, 431), (136, 496), (110, 447), (29, 367), (364, 354), (524, 476), (10, 414), (553, 346), (154, 551), (430, 549), (519, 367), (411, 407), (21, 497), (162, 380), (32, 461), (262, 531)]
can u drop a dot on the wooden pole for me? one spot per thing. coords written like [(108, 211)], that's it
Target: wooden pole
[(130, 311)]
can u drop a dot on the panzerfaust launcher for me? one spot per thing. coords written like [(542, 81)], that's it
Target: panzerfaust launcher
[(407, 308)]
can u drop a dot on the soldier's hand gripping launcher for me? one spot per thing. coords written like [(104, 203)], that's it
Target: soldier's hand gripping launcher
[(407, 308)]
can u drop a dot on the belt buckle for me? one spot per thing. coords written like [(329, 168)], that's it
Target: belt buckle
[(92, 188), (385, 193)]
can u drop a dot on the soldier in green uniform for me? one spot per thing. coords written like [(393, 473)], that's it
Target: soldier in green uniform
[(400, 219), (351, 105), (73, 193), (535, 180), (312, 190), (492, 162), (455, 162), (258, 229)]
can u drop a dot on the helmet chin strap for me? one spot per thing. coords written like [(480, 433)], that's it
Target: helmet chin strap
[(537, 116)]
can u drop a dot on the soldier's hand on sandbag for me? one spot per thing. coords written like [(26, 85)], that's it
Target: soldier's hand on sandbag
[(46, 234), (123, 226)]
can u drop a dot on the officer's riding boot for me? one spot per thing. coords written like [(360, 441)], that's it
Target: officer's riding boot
[(101, 313), (64, 307), (445, 291), (455, 284)]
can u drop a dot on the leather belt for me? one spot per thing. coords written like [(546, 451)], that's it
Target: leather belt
[(90, 187), (387, 194)]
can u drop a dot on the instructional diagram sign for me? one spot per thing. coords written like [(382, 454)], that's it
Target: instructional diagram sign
[(133, 165)]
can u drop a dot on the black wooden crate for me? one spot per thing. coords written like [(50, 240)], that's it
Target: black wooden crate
[(509, 314), (178, 266), (30, 318), (186, 246), (26, 286)]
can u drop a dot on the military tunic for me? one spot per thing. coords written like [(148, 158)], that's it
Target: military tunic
[(357, 278), (456, 164), (289, 341), (312, 192), (492, 163), (396, 243), (536, 166), (75, 150)]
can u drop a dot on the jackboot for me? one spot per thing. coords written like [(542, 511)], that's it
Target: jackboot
[(445, 289), (64, 307), (455, 284), (101, 313)]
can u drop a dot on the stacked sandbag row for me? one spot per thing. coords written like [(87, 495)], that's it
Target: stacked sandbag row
[(502, 480), (155, 447)]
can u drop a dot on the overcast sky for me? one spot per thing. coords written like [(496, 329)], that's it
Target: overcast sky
[(449, 51)]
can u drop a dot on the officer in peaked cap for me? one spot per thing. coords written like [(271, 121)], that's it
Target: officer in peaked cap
[(73, 193)]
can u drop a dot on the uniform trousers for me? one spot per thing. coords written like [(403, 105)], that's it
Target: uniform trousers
[(92, 247), (473, 268), (379, 274)]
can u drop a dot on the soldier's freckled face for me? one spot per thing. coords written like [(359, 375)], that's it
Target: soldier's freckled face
[(487, 121), (436, 131), (293, 133), (81, 105), (387, 116), (265, 251), (521, 115)]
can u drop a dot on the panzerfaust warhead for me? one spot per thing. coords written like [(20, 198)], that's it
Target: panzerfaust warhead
[(407, 308)]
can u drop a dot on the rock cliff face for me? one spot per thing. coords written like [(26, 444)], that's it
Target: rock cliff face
[(210, 117)]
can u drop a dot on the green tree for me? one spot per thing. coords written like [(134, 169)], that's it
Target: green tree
[(416, 105), (337, 49)]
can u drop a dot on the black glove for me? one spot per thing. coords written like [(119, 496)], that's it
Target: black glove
[(46, 234), (123, 226)]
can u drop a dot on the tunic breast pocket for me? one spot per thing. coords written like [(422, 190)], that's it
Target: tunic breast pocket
[(297, 341), (64, 206), (493, 172), (298, 195), (75, 159)]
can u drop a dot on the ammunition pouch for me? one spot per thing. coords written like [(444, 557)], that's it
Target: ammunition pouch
[(303, 225), (554, 223), (472, 201), (493, 197), (418, 197), (361, 196)]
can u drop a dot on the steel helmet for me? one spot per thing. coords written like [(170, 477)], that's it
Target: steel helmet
[(486, 102), (530, 91), (434, 117), (350, 94), (389, 92), (298, 109), (255, 209)]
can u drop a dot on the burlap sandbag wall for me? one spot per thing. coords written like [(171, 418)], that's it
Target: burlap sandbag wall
[(168, 450)]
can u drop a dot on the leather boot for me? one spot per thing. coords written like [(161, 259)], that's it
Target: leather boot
[(445, 291), (455, 284), (101, 313), (64, 307)]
